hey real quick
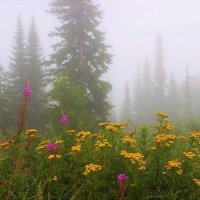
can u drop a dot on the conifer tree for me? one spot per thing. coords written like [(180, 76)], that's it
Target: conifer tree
[(159, 78), (137, 94), (17, 75), (36, 76), (173, 99), (82, 53), (146, 95), (186, 111), (126, 109)]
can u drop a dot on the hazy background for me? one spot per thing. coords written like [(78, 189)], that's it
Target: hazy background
[(131, 27)]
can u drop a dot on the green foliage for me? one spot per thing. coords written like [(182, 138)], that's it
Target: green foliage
[(158, 163), (82, 54), (69, 98)]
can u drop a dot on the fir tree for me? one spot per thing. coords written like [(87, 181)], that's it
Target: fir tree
[(36, 77), (17, 75), (126, 109), (137, 94), (173, 99), (146, 95), (81, 53), (159, 78)]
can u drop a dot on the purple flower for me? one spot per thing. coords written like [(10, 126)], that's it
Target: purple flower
[(52, 147), (27, 91), (122, 177), (64, 119)]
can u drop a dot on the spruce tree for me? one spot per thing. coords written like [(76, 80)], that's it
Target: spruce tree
[(17, 75), (173, 99), (126, 109), (36, 76), (159, 78), (147, 114), (137, 94), (82, 53)]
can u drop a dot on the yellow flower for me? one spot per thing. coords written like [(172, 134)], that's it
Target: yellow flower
[(129, 140), (162, 115), (166, 139), (103, 143), (174, 164), (181, 138), (52, 156), (55, 178), (30, 131), (81, 136), (195, 135), (76, 148), (91, 168), (134, 158), (197, 181), (59, 141), (189, 154)]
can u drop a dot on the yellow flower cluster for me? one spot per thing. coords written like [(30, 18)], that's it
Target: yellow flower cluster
[(91, 168), (135, 158), (31, 131), (70, 132), (197, 181), (81, 136), (189, 154), (102, 144), (43, 144), (161, 115), (75, 149), (182, 138), (54, 156), (167, 139), (195, 135), (129, 140), (59, 142), (113, 126), (98, 135), (174, 164)]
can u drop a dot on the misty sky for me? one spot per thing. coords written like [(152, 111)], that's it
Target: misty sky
[(131, 27)]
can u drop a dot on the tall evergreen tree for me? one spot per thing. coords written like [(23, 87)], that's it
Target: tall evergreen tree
[(82, 53), (187, 102), (173, 99), (146, 95), (159, 78), (137, 94), (36, 76), (126, 109), (17, 75)]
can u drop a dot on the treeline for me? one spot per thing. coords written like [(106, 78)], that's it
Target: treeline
[(154, 91), (69, 81)]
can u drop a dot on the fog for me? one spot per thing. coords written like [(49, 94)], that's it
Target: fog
[(131, 28)]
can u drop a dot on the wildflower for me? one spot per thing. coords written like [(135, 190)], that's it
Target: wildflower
[(27, 91), (101, 144), (55, 178), (81, 136), (197, 181), (52, 156), (195, 135), (174, 165), (161, 115), (122, 181), (135, 158), (129, 140), (189, 154), (122, 177), (52, 147), (91, 168), (64, 119), (76, 148)]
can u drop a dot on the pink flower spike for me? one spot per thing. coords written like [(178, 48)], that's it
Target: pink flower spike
[(27, 91), (64, 119)]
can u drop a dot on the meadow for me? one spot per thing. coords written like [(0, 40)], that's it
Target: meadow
[(113, 163)]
